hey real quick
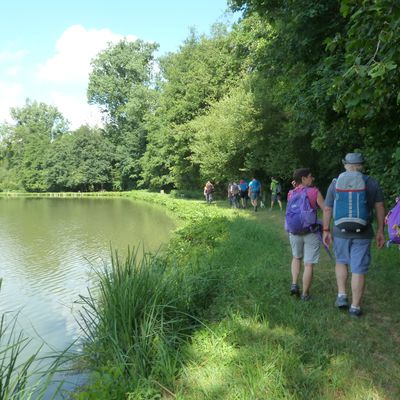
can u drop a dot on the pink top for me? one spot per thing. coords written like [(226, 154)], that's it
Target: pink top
[(312, 194)]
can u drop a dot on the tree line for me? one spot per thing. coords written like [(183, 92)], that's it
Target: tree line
[(291, 84)]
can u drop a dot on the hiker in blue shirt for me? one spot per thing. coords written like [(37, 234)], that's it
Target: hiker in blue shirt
[(352, 244), (254, 192), (243, 194)]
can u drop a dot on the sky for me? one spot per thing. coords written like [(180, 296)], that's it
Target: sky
[(46, 46)]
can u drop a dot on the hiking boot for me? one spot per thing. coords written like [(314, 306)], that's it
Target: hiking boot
[(305, 297), (255, 208), (342, 302), (294, 290), (355, 312)]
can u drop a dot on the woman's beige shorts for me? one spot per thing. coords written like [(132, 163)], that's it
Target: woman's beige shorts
[(305, 246)]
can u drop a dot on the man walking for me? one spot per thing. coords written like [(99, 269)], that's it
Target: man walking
[(254, 192), (351, 194), (275, 189)]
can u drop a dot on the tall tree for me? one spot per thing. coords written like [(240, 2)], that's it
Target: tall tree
[(80, 161), (199, 74), (37, 125), (121, 83), (336, 68)]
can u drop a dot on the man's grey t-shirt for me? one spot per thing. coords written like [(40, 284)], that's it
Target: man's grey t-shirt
[(374, 195)]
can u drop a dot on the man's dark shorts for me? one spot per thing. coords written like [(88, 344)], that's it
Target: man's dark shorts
[(353, 252)]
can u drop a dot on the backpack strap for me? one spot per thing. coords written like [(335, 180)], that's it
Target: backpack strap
[(319, 234)]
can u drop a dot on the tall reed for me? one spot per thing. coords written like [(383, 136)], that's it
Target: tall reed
[(20, 374), (133, 321)]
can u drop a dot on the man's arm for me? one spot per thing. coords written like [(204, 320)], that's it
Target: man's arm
[(380, 217), (326, 220)]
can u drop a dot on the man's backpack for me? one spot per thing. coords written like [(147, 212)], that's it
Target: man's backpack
[(255, 186), (350, 208), (393, 223), (300, 216), (234, 189), (244, 186)]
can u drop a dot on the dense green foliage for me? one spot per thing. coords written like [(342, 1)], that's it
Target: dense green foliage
[(290, 84)]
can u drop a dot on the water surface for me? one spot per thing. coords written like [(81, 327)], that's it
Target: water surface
[(48, 247)]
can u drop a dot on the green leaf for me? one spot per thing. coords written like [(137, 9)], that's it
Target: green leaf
[(377, 70)]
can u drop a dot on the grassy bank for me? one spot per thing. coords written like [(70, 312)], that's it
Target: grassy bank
[(212, 319)]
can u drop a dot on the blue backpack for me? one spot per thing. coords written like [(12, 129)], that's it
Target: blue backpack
[(300, 216), (244, 186), (254, 186), (350, 207)]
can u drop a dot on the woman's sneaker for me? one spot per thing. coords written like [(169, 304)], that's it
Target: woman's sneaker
[(294, 290), (342, 302)]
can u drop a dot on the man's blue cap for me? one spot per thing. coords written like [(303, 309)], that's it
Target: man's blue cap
[(353, 158)]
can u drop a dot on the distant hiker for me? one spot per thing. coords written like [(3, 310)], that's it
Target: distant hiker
[(254, 192), (208, 192), (301, 224), (275, 188), (229, 194), (350, 201), (243, 193), (233, 194)]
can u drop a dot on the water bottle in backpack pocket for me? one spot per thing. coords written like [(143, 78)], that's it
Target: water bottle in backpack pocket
[(300, 216), (393, 223), (350, 208)]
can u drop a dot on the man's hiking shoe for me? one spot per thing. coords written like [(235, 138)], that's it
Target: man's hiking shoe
[(342, 302), (355, 312), (294, 290), (305, 297)]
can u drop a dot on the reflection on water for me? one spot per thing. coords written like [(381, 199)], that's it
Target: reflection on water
[(47, 248)]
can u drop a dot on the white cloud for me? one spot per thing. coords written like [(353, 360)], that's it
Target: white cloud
[(75, 49), (62, 79), (76, 110)]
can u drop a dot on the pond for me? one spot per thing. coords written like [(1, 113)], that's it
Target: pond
[(49, 246)]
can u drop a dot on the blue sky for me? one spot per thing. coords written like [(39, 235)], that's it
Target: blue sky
[(46, 46)]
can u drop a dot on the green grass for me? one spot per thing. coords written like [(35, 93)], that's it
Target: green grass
[(215, 320)]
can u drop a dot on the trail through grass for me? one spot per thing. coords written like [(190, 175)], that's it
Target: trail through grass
[(230, 269)]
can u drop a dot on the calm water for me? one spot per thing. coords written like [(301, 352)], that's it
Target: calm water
[(48, 247)]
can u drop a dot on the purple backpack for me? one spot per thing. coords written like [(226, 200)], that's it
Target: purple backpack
[(393, 223), (300, 216)]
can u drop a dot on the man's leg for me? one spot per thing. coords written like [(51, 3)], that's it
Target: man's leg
[(341, 277), (280, 204), (357, 288)]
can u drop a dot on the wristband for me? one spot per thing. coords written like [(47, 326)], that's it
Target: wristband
[(326, 230)]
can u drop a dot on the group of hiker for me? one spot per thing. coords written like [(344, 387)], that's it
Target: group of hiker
[(351, 201), (240, 193)]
